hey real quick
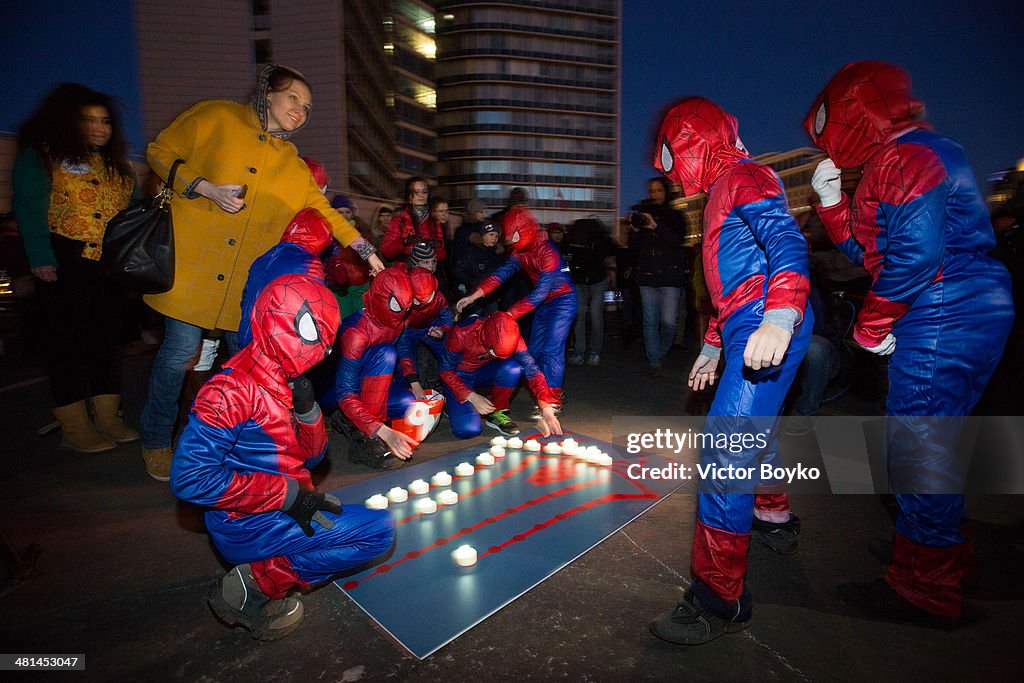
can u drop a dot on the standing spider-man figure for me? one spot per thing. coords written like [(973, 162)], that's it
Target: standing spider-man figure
[(553, 295), (755, 262), (365, 368), (488, 356), (305, 238), (246, 453), (938, 306)]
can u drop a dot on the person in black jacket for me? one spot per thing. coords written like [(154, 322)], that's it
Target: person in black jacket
[(590, 255), (475, 259), (656, 241)]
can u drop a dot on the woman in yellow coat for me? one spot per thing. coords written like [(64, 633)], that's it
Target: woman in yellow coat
[(240, 184)]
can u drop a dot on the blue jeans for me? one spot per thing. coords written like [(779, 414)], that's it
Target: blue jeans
[(661, 309), (590, 298), (820, 365), (175, 357)]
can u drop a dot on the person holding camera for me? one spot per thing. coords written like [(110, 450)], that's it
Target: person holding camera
[(656, 242)]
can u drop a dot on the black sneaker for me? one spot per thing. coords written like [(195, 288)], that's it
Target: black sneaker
[(779, 536), (880, 601), (500, 421), (237, 601), (690, 624), (373, 453)]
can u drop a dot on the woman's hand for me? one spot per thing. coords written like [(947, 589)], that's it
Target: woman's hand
[(376, 265), (224, 196), (45, 273)]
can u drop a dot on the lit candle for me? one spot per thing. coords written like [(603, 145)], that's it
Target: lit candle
[(464, 469), (515, 442), (497, 451), (377, 502), (593, 450), (426, 506), (569, 443), (447, 497), (441, 479), (464, 556), (553, 448), (485, 459), (398, 495), (569, 448), (533, 445), (499, 441), (604, 460), (419, 487)]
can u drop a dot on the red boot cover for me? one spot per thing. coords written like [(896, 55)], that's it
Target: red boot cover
[(719, 559), (928, 576)]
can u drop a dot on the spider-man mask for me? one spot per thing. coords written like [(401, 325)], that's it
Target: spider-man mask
[(519, 229), (310, 230), (500, 334), (389, 298), (697, 142), (424, 286), (863, 106), (294, 322)]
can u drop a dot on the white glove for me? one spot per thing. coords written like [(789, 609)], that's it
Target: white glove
[(827, 182), (887, 346)]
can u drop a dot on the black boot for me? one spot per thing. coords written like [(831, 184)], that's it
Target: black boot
[(779, 536), (237, 601), (702, 617)]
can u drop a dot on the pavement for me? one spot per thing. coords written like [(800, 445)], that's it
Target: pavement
[(124, 566)]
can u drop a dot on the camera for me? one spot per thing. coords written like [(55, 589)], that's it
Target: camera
[(637, 221)]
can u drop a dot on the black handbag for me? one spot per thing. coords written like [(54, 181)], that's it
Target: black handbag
[(138, 246)]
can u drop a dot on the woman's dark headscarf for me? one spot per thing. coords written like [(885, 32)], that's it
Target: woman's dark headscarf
[(265, 85)]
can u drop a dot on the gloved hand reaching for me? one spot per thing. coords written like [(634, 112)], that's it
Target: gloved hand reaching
[(303, 396), (827, 182), (307, 509)]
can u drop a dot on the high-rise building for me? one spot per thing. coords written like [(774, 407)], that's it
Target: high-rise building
[(527, 95)]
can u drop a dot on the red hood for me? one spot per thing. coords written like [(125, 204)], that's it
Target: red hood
[(500, 334), (310, 230), (697, 143), (864, 106), (519, 229), (388, 301)]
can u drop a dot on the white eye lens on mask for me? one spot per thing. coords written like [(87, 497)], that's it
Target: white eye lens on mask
[(667, 160), (819, 119), (394, 305), (306, 328), (515, 237)]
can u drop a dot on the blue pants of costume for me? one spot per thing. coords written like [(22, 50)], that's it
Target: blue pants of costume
[(498, 378), (284, 558), (551, 324)]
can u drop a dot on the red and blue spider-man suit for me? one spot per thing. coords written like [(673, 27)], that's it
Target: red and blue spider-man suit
[(919, 225), (755, 262), (486, 356), (430, 311), (306, 236), (368, 356), (246, 455), (553, 295)]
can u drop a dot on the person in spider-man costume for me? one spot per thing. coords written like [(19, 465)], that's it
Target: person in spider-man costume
[(553, 295), (365, 369), (939, 307), (246, 453), (488, 356), (305, 238), (429, 322), (755, 262)]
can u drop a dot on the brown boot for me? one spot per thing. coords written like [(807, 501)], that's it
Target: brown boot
[(104, 409), (78, 432), (158, 462)]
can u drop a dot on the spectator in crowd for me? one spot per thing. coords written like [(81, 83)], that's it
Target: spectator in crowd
[(229, 150), (71, 176), (474, 261), (590, 255), (412, 224), (556, 233), (469, 230), (656, 240), (379, 225)]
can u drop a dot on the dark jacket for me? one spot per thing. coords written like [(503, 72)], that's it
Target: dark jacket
[(587, 245), (660, 261)]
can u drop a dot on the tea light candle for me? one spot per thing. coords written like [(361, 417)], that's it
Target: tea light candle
[(441, 479), (533, 445), (419, 487), (377, 502), (426, 506), (448, 497), (464, 556), (604, 460), (398, 495), (464, 469), (569, 443), (499, 441), (515, 442), (553, 448), (569, 448), (497, 451), (593, 450), (485, 459)]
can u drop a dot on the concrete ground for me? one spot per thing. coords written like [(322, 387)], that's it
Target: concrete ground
[(124, 567)]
